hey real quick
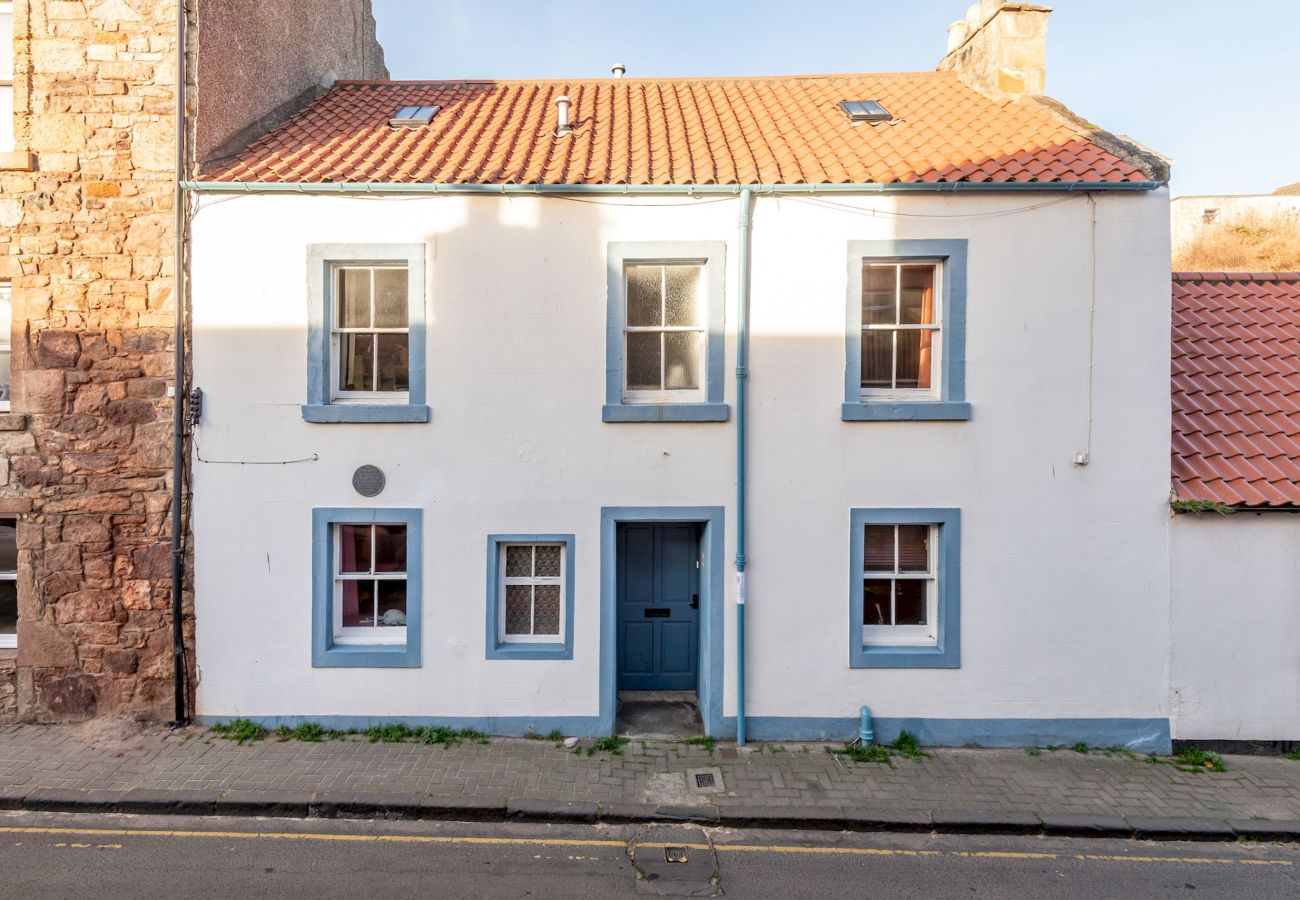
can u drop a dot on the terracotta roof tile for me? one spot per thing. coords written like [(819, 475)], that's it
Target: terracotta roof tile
[(786, 130), (1236, 387)]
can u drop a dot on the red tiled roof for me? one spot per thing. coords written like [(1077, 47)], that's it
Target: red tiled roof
[(785, 130), (1236, 387)]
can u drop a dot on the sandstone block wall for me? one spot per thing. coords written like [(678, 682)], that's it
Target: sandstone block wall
[(87, 239)]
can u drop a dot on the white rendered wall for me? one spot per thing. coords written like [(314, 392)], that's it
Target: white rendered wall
[(1235, 673), (1065, 587)]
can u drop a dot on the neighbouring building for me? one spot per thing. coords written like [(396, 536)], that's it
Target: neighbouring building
[(1242, 232), (476, 358), (1236, 473), (88, 175)]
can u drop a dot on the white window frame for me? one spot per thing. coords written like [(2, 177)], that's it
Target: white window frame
[(388, 634), (7, 296), (905, 635), (534, 581), (338, 395), (935, 390), (9, 641), (698, 394), (7, 142)]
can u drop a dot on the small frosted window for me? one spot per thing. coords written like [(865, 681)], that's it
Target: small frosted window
[(664, 332)]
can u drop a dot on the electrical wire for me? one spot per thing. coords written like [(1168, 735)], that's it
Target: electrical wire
[(198, 454)]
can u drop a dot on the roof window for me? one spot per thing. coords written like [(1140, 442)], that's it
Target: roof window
[(865, 111), (413, 116)]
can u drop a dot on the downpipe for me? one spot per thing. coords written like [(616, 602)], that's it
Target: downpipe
[(178, 403), (742, 382)]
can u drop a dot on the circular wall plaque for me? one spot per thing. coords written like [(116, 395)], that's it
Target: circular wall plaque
[(368, 481)]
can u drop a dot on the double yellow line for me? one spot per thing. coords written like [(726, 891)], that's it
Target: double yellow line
[(588, 843)]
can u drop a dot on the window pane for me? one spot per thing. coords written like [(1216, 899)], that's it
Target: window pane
[(354, 298), (358, 604), (914, 359), (913, 548), (682, 361), (390, 548), (393, 362), (546, 610), (682, 302), (354, 548), (8, 545), (8, 607), (519, 561), (392, 603), (877, 359), (390, 298), (519, 607), (643, 359), (548, 561), (5, 361), (644, 295), (918, 295), (909, 602), (879, 556), (6, 311), (356, 362), (878, 283), (875, 602)]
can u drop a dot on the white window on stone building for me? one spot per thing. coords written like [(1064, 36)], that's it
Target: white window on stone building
[(370, 584), (8, 583), (532, 593), (664, 332), (371, 333), (6, 76), (6, 354), (900, 328), (899, 591)]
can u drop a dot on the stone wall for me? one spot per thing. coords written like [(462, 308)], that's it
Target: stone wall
[(1000, 47), (257, 60), (87, 238)]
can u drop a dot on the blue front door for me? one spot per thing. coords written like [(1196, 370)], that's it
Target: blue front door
[(658, 607)]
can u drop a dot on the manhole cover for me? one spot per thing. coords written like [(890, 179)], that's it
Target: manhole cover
[(704, 780), (675, 855)]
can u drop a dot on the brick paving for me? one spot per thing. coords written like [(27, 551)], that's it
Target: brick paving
[(800, 779)]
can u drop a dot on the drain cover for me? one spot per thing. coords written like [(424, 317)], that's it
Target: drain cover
[(705, 780), (675, 855)]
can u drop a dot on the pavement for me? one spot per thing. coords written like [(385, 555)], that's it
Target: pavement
[(125, 768), (60, 855)]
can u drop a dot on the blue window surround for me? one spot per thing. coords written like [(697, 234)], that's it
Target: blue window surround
[(498, 649), (324, 652), (714, 256), (951, 404), (946, 652), (320, 406)]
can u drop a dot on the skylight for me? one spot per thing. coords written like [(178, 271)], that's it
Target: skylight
[(413, 116), (865, 111)]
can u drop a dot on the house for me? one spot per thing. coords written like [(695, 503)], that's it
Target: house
[(1236, 232), (796, 394), (1236, 477), (88, 218)]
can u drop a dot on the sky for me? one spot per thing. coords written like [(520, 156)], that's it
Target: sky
[(1213, 85)]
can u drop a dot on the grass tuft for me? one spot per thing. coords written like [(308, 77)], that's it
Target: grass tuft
[(908, 746), (705, 741), (1194, 759), (240, 730)]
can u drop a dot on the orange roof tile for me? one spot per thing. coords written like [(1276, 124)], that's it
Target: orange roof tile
[(786, 130), (1236, 387)]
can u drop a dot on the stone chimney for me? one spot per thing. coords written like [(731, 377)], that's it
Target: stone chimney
[(1000, 48)]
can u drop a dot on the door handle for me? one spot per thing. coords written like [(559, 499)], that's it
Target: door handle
[(695, 601)]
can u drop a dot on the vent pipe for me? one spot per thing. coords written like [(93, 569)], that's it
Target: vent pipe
[(619, 70), (562, 104)]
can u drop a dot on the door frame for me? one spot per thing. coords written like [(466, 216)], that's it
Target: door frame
[(711, 520)]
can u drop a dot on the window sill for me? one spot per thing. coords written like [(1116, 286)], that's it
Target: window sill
[(906, 410), (506, 650), (904, 657), (367, 656), (365, 413), (665, 412)]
